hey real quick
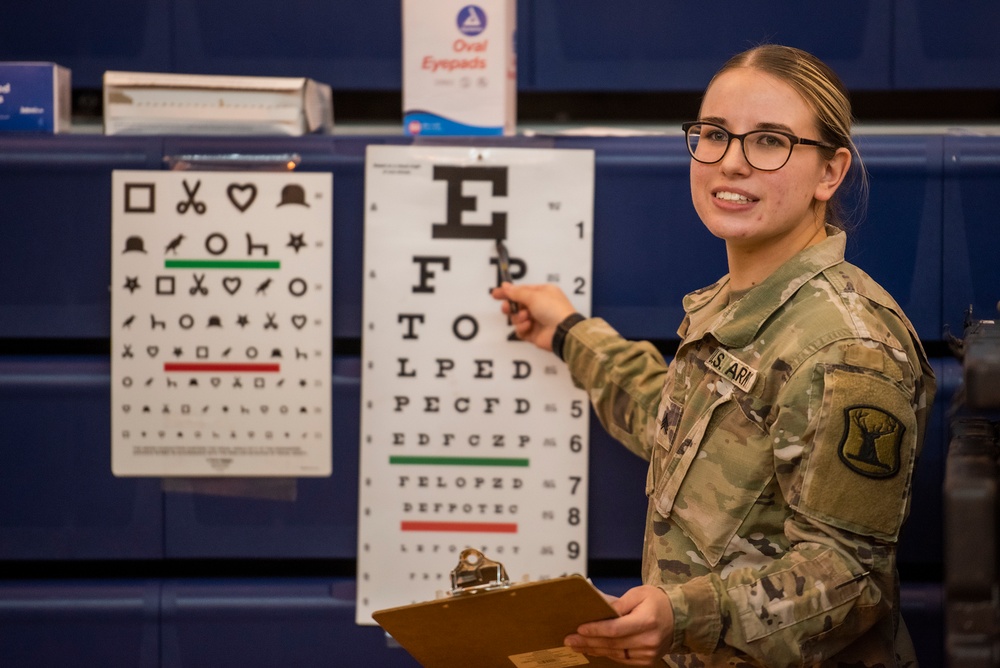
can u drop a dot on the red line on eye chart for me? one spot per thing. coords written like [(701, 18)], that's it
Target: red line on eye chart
[(221, 368), (462, 527)]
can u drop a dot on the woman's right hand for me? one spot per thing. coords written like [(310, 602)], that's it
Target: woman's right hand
[(541, 308)]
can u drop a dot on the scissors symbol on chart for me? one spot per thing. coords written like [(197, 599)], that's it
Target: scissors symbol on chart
[(198, 287), (199, 207)]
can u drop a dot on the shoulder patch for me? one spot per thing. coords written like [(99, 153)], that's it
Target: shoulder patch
[(738, 373), (858, 469), (872, 441)]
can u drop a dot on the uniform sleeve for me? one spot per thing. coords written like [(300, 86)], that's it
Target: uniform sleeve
[(624, 380), (845, 438)]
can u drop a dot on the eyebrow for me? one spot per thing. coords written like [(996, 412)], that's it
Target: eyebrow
[(759, 126)]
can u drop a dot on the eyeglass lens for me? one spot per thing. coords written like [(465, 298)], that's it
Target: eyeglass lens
[(763, 149)]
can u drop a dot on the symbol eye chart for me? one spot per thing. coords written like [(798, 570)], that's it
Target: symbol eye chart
[(220, 323), (469, 437)]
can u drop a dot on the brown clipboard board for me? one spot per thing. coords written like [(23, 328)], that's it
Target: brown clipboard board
[(521, 626)]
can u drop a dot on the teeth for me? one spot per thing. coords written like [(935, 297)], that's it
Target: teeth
[(732, 197)]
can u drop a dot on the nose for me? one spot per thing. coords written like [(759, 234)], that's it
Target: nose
[(734, 160)]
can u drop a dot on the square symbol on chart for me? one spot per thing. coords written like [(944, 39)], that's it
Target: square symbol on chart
[(140, 198)]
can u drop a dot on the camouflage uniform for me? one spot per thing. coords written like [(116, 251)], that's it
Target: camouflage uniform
[(781, 440)]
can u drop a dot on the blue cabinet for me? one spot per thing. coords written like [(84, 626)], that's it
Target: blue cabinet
[(643, 45), (928, 238), (584, 45), (946, 45), (971, 270)]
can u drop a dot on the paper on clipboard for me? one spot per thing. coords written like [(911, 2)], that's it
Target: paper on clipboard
[(522, 626)]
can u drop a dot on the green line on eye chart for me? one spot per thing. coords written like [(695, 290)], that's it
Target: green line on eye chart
[(222, 264), (458, 461)]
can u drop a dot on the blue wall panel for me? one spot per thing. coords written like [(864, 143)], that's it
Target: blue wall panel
[(348, 45), (617, 499), (275, 622), (586, 45), (56, 195), (922, 608), (679, 44), (946, 45), (971, 246), (89, 37), (921, 537), (58, 499), (899, 241), (45, 624)]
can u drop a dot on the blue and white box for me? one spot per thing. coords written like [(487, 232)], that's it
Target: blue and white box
[(35, 97), (459, 67)]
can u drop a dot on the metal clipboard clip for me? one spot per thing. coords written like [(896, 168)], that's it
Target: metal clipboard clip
[(476, 573)]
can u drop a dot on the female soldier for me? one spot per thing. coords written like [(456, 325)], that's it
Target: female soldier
[(782, 437)]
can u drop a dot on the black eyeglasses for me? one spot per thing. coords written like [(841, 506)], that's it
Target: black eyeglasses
[(766, 150)]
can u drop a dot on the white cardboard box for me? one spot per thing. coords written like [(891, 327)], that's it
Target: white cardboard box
[(35, 97), (141, 103), (459, 67)]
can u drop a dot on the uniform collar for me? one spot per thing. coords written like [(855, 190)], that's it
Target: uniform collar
[(737, 325)]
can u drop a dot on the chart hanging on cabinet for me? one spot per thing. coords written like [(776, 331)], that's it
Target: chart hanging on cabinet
[(220, 323), (469, 436)]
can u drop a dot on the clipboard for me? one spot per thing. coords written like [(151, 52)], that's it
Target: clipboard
[(521, 626)]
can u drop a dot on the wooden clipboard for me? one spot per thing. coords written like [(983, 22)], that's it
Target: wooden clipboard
[(522, 626)]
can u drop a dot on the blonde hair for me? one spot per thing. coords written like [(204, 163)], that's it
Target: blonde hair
[(826, 94)]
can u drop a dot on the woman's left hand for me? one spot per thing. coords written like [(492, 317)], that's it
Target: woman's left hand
[(640, 637)]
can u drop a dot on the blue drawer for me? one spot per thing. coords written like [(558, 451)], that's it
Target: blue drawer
[(899, 241), (272, 622), (971, 233), (58, 499), (56, 194), (945, 45), (351, 46), (90, 38), (50, 624), (637, 45)]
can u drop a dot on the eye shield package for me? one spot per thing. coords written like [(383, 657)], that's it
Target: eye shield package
[(140, 103)]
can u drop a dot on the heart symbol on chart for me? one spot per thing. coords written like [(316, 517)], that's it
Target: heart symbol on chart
[(299, 321), (216, 382), (152, 350), (242, 196), (231, 284)]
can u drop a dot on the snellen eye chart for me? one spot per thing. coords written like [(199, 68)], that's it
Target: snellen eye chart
[(469, 437), (220, 323)]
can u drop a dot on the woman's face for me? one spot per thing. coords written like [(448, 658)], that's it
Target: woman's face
[(746, 207)]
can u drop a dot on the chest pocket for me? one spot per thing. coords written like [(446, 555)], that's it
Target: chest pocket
[(709, 470)]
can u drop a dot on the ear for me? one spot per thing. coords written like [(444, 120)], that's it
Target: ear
[(834, 171)]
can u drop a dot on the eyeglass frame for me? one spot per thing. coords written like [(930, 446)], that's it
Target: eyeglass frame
[(794, 139)]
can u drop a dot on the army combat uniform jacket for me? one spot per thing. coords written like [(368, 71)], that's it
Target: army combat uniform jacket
[(781, 443)]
